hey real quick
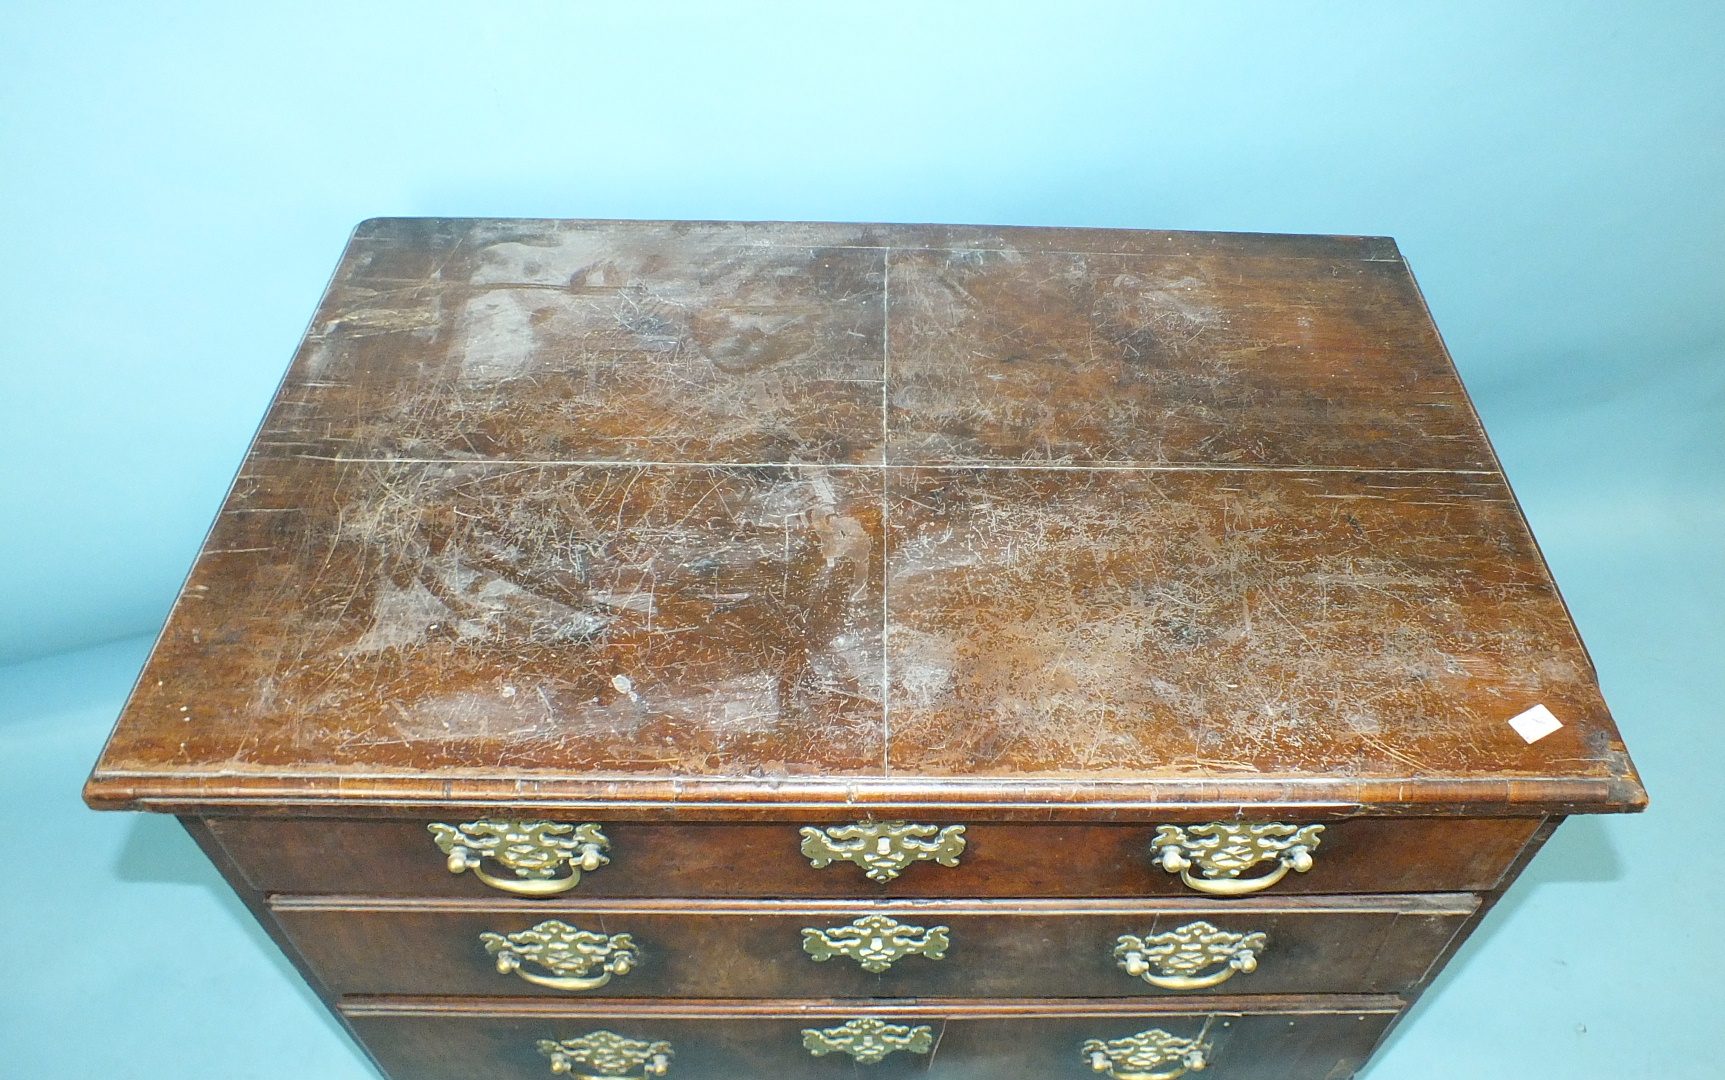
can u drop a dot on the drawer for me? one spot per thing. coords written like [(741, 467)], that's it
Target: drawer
[(399, 858), (945, 949), (1028, 1040)]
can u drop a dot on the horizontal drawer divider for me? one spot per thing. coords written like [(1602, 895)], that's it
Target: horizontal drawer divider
[(954, 1008), (1393, 903)]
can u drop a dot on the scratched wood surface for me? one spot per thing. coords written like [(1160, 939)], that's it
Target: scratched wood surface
[(1369, 854), (717, 515), (693, 951), (1034, 1040)]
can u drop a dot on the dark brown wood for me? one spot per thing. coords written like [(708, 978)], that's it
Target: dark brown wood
[(1010, 948), (751, 515), (1039, 1043), (1487, 902), (709, 531), (255, 902), (1362, 855)]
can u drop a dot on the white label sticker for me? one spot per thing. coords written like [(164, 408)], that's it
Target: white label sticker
[(1535, 724)]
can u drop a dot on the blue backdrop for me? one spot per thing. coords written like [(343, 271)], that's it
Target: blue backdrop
[(177, 179)]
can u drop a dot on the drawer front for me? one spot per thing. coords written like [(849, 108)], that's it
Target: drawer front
[(1044, 1044), (764, 949), (400, 858)]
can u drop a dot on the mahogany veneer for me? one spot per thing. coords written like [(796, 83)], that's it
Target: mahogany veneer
[(709, 533), (1005, 949), (1303, 1039), (390, 858)]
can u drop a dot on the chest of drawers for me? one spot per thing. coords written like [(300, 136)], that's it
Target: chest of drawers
[(723, 651)]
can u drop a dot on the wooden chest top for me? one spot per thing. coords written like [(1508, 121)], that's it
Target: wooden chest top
[(712, 519)]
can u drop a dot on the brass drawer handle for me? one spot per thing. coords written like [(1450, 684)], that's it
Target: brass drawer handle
[(1221, 850), (875, 941), (1173, 960), (534, 850), (1140, 1057), (868, 1039), (609, 1055), (882, 848), (567, 952)]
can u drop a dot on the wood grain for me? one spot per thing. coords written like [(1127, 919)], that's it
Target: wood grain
[(1012, 949), (709, 531), (317, 856), (696, 517), (1251, 1046)]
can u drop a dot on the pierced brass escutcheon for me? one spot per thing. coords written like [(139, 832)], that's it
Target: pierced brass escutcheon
[(1173, 960), (883, 848), (875, 941), (1221, 850), (868, 1039), (533, 850), (608, 1054), (567, 952), (1141, 1056)]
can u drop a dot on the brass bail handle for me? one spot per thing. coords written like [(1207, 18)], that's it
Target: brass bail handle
[(657, 1066), (531, 886), (546, 857), (1210, 858), (1134, 965), (1141, 1056), (868, 1039), (1235, 886), (1177, 959), (610, 1057), (1101, 1065), (508, 965), (576, 959)]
